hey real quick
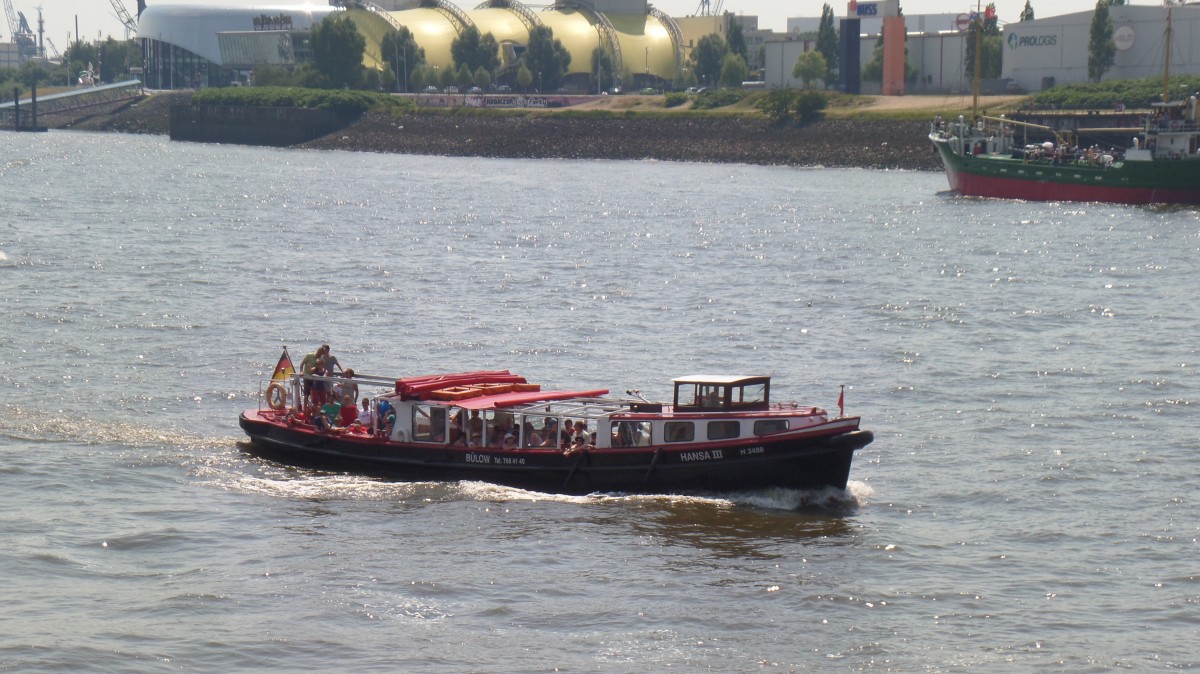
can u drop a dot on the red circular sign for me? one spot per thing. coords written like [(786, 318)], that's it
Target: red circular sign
[(963, 22)]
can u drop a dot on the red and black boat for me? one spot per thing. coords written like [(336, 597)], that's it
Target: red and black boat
[(718, 434)]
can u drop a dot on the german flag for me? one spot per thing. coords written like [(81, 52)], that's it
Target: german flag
[(284, 368)]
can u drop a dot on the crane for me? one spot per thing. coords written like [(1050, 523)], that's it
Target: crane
[(21, 34), (123, 16)]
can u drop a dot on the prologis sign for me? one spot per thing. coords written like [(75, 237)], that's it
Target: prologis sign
[(1031, 41)]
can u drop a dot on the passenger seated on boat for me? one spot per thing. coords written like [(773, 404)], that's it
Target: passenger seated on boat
[(581, 432), (620, 435), (550, 432), (458, 433), (496, 437), (532, 437), (366, 417), (326, 419), (383, 412), (510, 438), (579, 442), (474, 429)]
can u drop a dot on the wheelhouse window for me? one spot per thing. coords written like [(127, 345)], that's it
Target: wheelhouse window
[(679, 431), (751, 394), (723, 430), (769, 426), (705, 394)]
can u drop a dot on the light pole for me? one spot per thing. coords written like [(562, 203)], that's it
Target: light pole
[(397, 62)]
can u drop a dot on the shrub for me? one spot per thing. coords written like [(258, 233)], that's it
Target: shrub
[(1139, 93), (675, 99), (342, 101), (809, 106), (717, 98), (786, 105)]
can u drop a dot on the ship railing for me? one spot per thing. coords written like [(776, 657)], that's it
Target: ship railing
[(293, 386)]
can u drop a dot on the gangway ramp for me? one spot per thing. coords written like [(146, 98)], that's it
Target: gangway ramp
[(69, 101)]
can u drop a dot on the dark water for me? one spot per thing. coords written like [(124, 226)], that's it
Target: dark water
[(1029, 371)]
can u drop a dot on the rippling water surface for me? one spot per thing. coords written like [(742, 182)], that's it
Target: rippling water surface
[(1029, 370)]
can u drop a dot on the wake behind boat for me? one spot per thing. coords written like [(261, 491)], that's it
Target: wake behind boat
[(719, 433)]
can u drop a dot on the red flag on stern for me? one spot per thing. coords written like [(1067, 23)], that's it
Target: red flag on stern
[(842, 402), (284, 368)]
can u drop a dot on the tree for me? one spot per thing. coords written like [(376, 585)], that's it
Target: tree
[(873, 70), (735, 40), (602, 70), (401, 52), (338, 51), (734, 70), (483, 77), (708, 56), (809, 67), (475, 51), (1102, 48), (546, 58), (827, 44), (1027, 13), (463, 77), (524, 77), (990, 45)]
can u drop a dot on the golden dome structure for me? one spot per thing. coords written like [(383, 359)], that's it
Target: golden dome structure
[(643, 44)]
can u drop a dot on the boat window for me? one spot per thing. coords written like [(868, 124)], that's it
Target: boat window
[(679, 431), (631, 433), (768, 426), (703, 396), (750, 394), (429, 423), (537, 429), (720, 430)]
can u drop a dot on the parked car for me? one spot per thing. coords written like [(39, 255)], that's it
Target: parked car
[(450, 89), (474, 90), (504, 89), (431, 89)]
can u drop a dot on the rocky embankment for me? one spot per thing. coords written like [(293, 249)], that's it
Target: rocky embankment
[(878, 144)]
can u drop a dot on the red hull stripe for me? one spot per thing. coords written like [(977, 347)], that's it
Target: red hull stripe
[(1033, 190)]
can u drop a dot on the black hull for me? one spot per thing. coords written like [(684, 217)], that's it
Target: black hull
[(807, 462)]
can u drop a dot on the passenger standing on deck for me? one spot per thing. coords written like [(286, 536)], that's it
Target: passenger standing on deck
[(308, 367), (328, 364)]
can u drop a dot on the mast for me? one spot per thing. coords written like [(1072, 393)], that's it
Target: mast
[(1166, 96), (978, 59)]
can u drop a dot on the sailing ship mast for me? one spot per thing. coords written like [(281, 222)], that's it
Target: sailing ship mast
[(978, 59), (1166, 95)]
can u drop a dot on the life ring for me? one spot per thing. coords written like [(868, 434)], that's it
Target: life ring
[(277, 396)]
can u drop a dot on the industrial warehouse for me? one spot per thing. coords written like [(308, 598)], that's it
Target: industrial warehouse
[(191, 46)]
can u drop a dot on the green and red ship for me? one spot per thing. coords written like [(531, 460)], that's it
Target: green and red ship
[(987, 158)]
